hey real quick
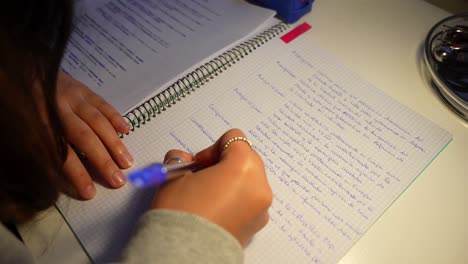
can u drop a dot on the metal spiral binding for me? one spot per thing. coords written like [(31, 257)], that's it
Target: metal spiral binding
[(197, 78)]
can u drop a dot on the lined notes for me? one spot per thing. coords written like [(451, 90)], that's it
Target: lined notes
[(121, 34), (337, 151), (125, 50)]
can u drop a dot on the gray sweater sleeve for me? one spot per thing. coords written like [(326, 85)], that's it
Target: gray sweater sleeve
[(166, 236), (12, 250), (162, 236)]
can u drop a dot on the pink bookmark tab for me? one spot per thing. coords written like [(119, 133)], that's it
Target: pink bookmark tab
[(296, 32)]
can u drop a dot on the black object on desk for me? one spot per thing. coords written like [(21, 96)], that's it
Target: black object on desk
[(446, 57)]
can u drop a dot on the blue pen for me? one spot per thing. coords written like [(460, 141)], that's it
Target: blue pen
[(157, 173)]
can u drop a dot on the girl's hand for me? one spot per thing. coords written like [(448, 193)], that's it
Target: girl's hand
[(231, 191), (90, 124)]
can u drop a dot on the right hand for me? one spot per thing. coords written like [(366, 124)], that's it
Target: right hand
[(232, 190)]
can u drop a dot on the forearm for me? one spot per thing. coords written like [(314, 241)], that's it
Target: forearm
[(166, 236)]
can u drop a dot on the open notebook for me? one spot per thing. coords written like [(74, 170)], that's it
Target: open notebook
[(337, 150)]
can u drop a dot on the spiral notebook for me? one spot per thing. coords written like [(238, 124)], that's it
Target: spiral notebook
[(337, 151)]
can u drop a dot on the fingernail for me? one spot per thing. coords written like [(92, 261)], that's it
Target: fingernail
[(124, 127), (119, 179), (89, 192), (126, 160)]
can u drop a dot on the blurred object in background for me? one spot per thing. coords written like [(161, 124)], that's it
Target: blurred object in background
[(287, 10), (446, 57)]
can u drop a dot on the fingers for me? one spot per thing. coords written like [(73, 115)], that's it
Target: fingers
[(84, 138), (99, 123), (175, 156), (109, 112), (90, 123), (69, 87), (230, 134), (239, 156), (175, 187), (234, 142), (217, 151), (232, 192), (78, 175)]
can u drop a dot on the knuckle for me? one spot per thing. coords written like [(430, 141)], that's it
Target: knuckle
[(259, 160), (91, 96), (109, 165), (261, 195), (63, 104), (117, 146), (95, 116), (74, 174), (114, 142), (84, 132), (251, 164), (61, 100), (265, 220), (99, 102), (265, 198)]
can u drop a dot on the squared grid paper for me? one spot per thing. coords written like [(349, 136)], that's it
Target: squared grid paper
[(264, 79), (104, 224)]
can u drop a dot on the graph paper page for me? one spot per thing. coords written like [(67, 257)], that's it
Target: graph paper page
[(337, 151)]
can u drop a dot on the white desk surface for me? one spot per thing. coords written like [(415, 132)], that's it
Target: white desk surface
[(382, 41)]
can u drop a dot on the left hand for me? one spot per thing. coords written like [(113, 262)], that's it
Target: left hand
[(90, 124)]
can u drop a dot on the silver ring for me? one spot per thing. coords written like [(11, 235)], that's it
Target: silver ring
[(237, 139), (179, 160)]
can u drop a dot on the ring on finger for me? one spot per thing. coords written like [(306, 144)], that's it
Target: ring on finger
[(230, 141)]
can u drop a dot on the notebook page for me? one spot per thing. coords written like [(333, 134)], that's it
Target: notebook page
[(337, 152), (126, 49)]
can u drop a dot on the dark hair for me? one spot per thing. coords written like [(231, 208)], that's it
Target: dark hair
[(33, 36)]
